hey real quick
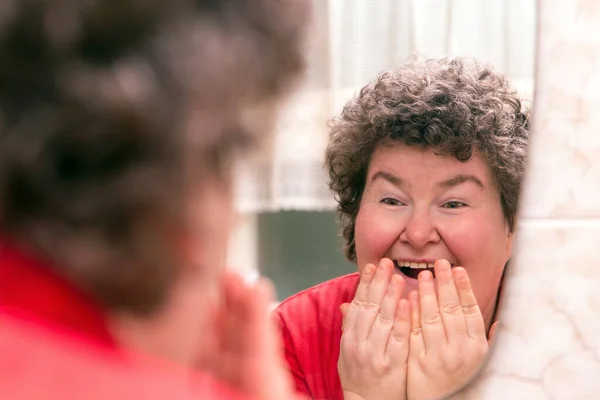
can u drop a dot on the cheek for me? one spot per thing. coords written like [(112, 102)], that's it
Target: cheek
[(480, 244), (212, 218), (216, 239), (374, 235)]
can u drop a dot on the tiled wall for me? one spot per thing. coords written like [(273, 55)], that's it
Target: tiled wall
[(548, 344)]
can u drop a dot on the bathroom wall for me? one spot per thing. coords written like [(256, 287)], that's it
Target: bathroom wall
[(548, 343)]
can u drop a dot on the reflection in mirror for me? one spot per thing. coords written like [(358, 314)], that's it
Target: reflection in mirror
[(424, 167)]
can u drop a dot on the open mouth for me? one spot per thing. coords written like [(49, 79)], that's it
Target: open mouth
[(413, 269)]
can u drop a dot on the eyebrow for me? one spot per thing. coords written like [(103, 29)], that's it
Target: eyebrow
[(448, 183), (391, 178), (459, 179)]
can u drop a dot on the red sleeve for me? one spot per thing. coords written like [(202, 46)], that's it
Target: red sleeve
[(290, 356)]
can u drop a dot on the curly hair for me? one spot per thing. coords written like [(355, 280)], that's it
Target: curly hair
[(111, 112), (452, 105)]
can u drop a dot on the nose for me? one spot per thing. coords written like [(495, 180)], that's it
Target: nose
[(419, 230)]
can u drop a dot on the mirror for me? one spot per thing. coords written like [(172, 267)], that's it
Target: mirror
[(288, 227), (289, 230)]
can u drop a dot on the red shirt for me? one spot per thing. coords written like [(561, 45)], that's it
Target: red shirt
[(311, 327), (55, 344)]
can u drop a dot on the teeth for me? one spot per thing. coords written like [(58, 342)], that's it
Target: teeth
[(415, 265)]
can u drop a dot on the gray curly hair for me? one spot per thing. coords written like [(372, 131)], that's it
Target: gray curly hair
[(453, 105)]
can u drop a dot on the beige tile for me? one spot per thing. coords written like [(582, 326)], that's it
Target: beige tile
[(567, 55), (563, 171), (503, 388), (563, 175), (548, 341)]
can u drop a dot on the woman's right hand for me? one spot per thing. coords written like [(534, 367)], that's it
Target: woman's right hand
[(375, 339), (249, 354)]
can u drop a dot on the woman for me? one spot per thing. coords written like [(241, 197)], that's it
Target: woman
[(120, 122), (426, 165)]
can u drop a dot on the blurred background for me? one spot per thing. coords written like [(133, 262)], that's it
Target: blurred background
[(288, 229)]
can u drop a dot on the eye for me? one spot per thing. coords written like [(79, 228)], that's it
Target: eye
[(392, 202), (454, 204)]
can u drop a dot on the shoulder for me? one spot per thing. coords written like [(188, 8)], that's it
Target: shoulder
[(318, 302), (56, 365), (310, 324)]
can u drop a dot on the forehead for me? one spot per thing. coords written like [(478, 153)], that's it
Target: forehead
[(418, 165)]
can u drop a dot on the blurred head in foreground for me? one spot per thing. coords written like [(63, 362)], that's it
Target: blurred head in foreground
[(120, 123)]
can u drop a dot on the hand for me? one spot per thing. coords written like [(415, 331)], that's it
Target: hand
[(248, 353), (448, 341), (375, 338)]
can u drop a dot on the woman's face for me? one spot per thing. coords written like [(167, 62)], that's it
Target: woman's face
[(418, 207)]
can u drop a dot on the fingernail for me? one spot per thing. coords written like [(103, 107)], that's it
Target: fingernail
[(426, 276), (381, 265), (369, 269), (460, 273), (443, 265)]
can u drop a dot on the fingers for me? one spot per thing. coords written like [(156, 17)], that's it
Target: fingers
[(351, 316), (417, 344), (370, 308), (450, 306), (379, 335), (432, 326), (473, 318), (344, 310), (398, 343), (251, 355), (366, 277), (247, 314), (240, 325), (380, 283)]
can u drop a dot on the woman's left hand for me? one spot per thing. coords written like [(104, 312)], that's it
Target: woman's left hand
[(448, 342)]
